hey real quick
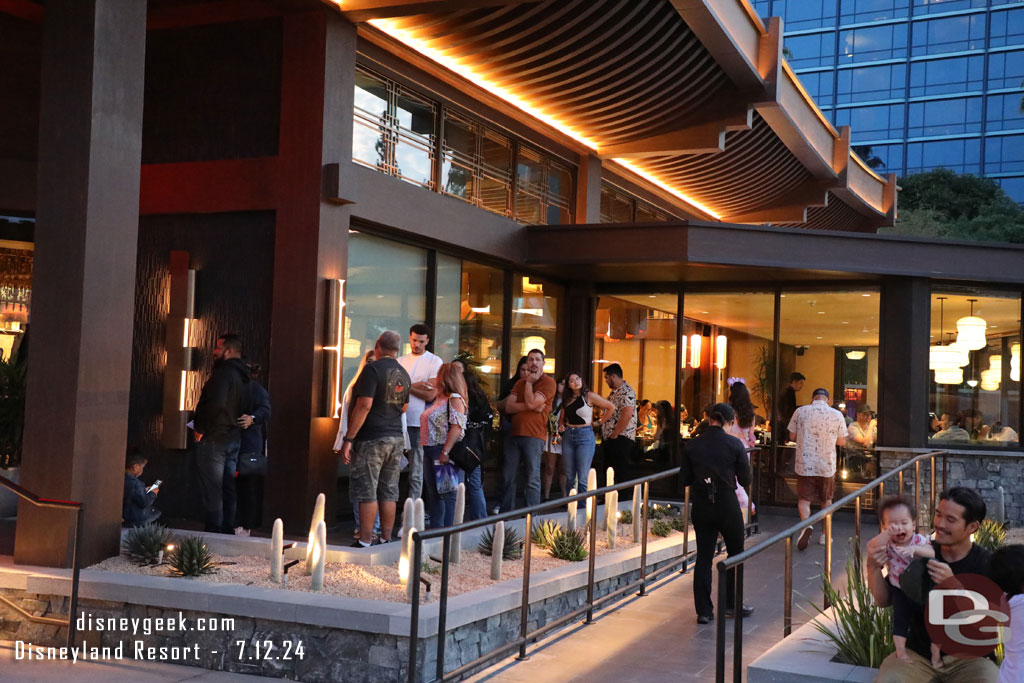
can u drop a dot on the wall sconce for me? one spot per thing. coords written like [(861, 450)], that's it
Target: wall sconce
[(178, 347), (721, 345), (334, 347), (695, 351), (682, 352), (856, 354)]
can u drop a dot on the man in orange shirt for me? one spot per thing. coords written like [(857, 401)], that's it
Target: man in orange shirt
[(528, 406)]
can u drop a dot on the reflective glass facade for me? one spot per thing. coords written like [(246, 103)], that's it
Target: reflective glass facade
[(921, 83)]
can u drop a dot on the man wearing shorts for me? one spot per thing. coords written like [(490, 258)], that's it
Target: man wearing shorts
[(374, 442), (817, 429)]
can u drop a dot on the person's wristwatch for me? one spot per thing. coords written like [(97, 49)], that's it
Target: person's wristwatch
[(348, 439)]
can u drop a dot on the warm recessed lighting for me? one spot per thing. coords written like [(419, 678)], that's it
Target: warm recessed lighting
[(821, 312), (845, 322), (820, 337), (652, 296), (865, 295)]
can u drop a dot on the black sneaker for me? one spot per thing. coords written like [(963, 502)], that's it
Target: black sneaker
[(805, 538), (730, 612), (381, 541), (358, 544), (704, 619)]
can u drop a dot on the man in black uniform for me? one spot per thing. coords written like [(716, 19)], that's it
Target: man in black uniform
[(712, 463)]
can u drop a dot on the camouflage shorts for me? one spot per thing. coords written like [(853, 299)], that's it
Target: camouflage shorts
[(375, 469)]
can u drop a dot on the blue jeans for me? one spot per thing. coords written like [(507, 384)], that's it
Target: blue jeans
[(521, 447), (441, 506), (217, 463), (376, 522), (577, 454), (476, 504)]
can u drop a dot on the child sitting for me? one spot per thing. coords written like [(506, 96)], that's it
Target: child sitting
[(137, 505), (1007, 570), (902, 545)]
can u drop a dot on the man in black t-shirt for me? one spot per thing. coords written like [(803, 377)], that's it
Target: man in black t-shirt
[(957, 516), (374, 442)]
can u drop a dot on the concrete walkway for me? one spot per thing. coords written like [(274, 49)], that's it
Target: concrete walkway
[(25, 671), (656, 638)]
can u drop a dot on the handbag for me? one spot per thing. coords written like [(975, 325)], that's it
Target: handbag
[(252, 464), (467, 453)]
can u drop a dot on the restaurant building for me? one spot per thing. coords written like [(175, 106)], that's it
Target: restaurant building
[(646, 183)]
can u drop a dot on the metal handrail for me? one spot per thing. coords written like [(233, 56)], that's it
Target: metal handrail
[(825, 514), (526, 636), (39, 501)]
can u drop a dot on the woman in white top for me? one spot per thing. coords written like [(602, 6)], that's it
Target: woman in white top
[(1007, 570), (576, 424)]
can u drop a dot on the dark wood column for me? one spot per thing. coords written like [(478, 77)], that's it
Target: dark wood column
[(311, 240), (903, 362), (579, 345), (90, 146)]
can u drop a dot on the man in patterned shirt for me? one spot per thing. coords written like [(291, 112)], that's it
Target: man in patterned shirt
[(817, 429), (618, 433)]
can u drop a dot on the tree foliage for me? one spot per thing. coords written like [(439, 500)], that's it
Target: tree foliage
[(946, 205)]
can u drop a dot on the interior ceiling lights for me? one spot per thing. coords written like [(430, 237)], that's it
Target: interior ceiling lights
[(970, 331), (856, 354), (394, 29), (991, 377), (946, 376), (946, 358)]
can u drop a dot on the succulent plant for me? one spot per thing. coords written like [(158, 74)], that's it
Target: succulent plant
[(512, 549), (544, 533), (661, 528), (991, 535), (570, 544), (656, 512), (192, 557), (144, 543), (626, 516), (678, 523)]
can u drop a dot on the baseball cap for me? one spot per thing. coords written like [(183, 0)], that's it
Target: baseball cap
[(820, 391), (796, 377), (865, 409)]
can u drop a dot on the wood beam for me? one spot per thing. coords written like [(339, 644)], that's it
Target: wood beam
[(216, 12), (209, 186), (707, 137), (363, 10), (790, 208)]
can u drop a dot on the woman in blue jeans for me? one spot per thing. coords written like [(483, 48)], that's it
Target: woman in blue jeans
[(442, 424), (576, 423), (479, 423)]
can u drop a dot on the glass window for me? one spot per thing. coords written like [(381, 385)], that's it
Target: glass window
[(809, 14), (859, 11), (1004, 154), (933, 6), (881, 159), (448, 307), (645, 213), (944, 117), (865, 83), (832, 339), (873, 43), (819, 85), (816, 49), (616, 207), (385, 290), (1007, 28), (476, 164), (949, 34), (975, 370), (867, 123), (1003, 112), (535, 319), (961, 156), (763, 8), (414, 141), (369, 134), (480, 309), (942, 76), (543, 190), (1013, 187), (1005, 69)]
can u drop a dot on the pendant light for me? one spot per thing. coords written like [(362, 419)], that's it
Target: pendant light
[(971, 331), (950, 356), (721, 346)]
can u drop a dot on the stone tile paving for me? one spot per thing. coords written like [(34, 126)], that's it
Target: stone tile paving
[(656, 638)]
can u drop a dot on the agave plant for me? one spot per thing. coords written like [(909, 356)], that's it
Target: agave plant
[(144, 543), (678, 523), (192, 557), (863, 630), (570, 544), (513, 548), (544, 533), (656, 512), (991, 535)]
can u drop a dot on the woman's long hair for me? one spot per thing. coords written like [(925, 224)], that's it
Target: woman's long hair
[(474, 392), (666, 417), (450, 381), (739, 399), (567, 392)]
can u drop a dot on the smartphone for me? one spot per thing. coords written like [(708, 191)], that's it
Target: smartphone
[(156, 484)]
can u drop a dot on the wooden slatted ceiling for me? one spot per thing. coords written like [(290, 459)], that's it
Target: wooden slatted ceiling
[(836, 216)]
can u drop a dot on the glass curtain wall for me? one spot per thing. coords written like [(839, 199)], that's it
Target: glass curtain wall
[(535, 320), (974, 368)]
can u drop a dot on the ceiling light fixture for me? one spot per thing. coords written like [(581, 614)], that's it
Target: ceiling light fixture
[(971, 331)]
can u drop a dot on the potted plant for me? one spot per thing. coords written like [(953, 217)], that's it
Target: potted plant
[(12, 425)]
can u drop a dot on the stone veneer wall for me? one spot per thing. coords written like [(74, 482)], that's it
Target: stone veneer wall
[(331, 654), (984, 473)]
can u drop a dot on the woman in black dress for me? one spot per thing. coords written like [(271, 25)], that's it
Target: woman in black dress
[(712, 464)]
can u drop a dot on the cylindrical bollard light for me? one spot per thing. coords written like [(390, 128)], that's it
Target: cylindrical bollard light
[(276, 551), (460, 509), (497, 549), (320, 556), (638, 521), (318, 516), (571, 521)]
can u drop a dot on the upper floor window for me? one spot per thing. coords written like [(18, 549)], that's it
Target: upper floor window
[(961, 156), (543, 189), (618, 206), (858, 11), (949, 34), (881, 159), (934, 6), (1007, 28), (819, 85), (944, 117), (807, 14), (867, 123), (942, 76), (1005, 69), (816, 49), (1004, 154), (866, 83), (476, 164), (1003, 112), (873, 43)]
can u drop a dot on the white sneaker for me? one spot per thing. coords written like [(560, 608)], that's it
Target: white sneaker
[(821, 539), (241, 531)]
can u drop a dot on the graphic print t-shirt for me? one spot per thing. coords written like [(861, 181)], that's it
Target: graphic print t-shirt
[(388, 383)]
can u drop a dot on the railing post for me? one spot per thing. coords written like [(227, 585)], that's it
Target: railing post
[(856, 520), (76, 565), (881, 490), (720, 625), (737, 633), (828, 554), (414, 611), (945, 471), (643, 542), (787, 591), (931, 470), (900, 476), (525, 608), (686, 527), (593, 552), (442, 609), (917, 494)]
